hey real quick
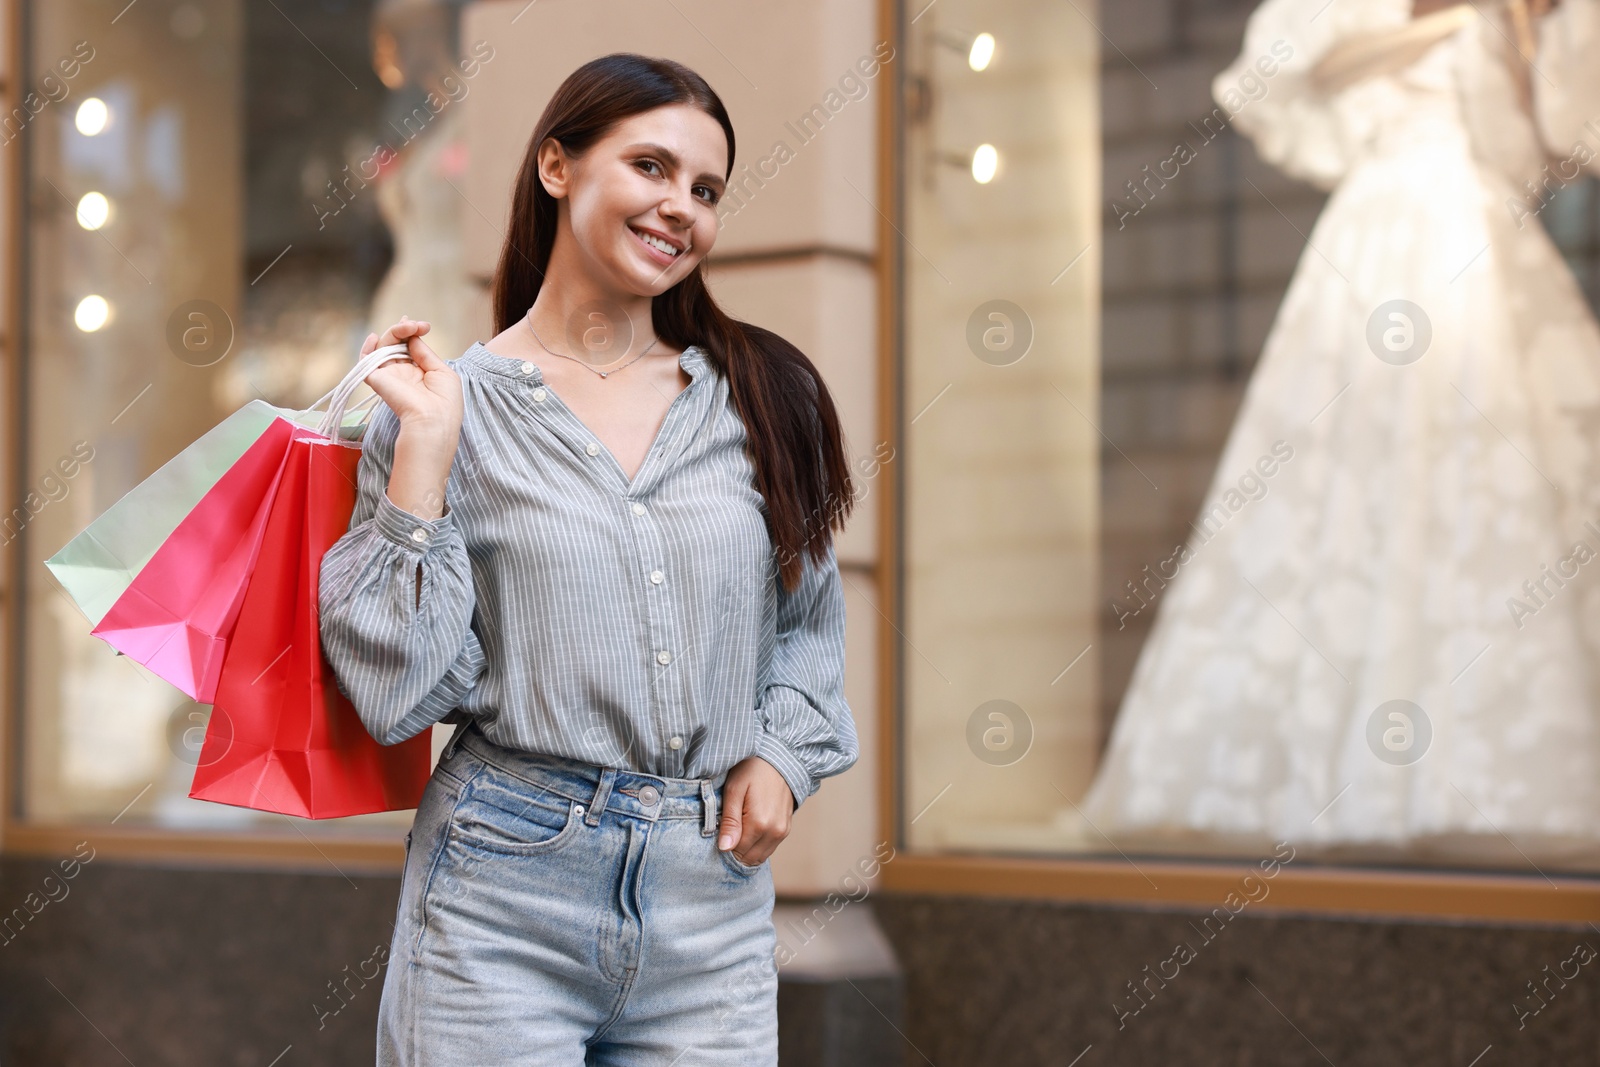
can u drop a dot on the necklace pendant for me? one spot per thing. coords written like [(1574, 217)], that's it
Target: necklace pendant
[(602, 373)]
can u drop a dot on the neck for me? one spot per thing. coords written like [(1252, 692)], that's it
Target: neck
[(575, 310)]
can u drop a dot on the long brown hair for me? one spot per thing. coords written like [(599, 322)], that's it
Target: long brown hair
[(795, 442)]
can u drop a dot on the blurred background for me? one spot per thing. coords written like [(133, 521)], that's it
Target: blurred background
[(1072, 271)]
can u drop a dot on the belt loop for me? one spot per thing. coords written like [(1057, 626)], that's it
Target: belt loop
[(455, 738), (602, 795), (708, 800)]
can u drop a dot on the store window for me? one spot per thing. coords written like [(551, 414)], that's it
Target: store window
[(217, 196), (1250, 413)]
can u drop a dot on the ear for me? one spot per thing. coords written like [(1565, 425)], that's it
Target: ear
[(555, 168)]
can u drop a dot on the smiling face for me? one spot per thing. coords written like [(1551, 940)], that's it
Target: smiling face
[(641, 202)]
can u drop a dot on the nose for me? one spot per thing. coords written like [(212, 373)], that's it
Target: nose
[(678, 205)]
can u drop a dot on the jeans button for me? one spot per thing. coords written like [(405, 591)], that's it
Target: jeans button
[(649, 795)]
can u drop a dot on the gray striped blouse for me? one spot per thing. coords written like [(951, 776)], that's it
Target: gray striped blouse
[(570, 611)]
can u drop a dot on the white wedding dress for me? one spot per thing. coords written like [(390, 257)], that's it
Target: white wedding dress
[(1386, 556)]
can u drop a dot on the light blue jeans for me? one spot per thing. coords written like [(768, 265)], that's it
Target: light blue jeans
[(555, 913)]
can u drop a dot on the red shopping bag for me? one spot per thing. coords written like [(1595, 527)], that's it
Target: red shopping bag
[(282, 737), (176, 614)]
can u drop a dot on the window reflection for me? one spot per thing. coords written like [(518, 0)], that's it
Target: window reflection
[(1054, 495), (1000, 664), (223, 203)]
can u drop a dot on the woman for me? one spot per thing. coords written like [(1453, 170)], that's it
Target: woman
[(601, 542), (1375, 654)]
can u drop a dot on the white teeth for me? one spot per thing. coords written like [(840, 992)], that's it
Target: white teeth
[(656, 242)]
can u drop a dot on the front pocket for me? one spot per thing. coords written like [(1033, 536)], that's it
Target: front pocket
[(496, 816), (737, 865)]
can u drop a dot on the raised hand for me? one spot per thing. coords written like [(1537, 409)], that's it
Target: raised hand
[(422, 389), (425, 395)]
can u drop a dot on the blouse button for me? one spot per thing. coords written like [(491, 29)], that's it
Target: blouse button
[(674, 742), (539, 394), (663, 656), (527, 367), (656, 576), (419, 535), (638, 509), (593, 449)]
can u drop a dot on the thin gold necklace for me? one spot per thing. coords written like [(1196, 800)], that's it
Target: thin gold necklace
[(528, 318)]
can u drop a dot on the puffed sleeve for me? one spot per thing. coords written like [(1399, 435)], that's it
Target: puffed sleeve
[(1270, 97), (405, 664), (1566, 84), (806, 729)]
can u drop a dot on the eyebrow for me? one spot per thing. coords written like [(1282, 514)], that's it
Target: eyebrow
[(672, 160)]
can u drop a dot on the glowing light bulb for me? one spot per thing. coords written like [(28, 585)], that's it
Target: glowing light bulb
[(982, 51), (94, 211), (93, 116), (92, 313), (985, 162)]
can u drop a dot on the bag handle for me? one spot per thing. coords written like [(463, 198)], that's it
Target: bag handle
[(339, 396)]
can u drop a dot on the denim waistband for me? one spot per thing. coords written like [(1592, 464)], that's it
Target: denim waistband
[(601, 789)]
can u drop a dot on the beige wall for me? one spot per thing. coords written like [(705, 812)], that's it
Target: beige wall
[(796, 255)]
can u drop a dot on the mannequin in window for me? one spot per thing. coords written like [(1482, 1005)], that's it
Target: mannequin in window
[(415, 52)]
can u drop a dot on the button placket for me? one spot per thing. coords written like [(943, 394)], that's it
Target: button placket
[(667, 694), (644, 545), (666, 435)]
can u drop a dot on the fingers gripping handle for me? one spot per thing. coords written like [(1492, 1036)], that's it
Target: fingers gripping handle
[(339, 397)]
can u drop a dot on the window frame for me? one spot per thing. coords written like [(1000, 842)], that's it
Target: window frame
[(1327, 890), (266, 848)]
